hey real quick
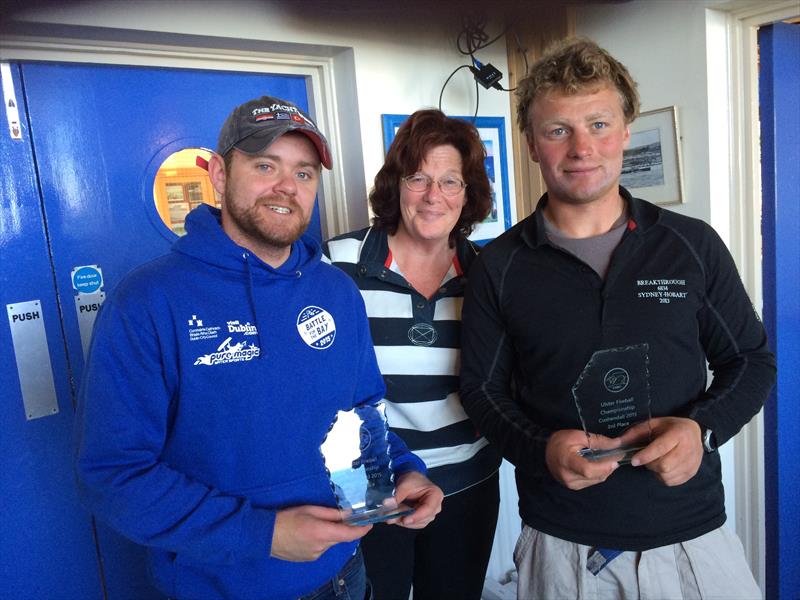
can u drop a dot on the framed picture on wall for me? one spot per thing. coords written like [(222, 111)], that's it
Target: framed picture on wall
[(493, 135), (651, 165)]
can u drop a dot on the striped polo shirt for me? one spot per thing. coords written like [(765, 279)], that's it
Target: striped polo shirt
[(417, 342)]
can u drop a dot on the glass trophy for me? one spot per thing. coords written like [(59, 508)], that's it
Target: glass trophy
[(357, 459), (611, 394)]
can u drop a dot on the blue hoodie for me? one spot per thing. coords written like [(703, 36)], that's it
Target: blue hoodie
[(211, 382)]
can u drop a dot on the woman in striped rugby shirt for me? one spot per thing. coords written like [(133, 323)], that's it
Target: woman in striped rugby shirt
[(411, 267)]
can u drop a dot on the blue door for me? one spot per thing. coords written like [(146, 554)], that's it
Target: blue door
[(46, 542), (77, 214), (779, 90)]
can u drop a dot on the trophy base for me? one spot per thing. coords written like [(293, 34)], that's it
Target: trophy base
[(376, 515), (625, 454)]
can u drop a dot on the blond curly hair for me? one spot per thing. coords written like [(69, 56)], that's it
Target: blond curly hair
[(572, 66)]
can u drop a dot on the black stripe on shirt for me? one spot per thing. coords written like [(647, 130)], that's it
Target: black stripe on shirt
[(452, 435)]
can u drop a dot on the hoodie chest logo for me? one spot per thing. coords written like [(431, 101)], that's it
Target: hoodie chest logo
[(229, 351), (199, 331), (238, 345), (316, 327)]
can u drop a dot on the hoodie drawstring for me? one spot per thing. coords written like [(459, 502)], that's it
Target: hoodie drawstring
[(250, 295)]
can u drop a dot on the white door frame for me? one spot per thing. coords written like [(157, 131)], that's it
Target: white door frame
[(740, 20)]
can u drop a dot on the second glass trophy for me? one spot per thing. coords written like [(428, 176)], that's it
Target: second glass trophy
[(356, 455), (611, 394)]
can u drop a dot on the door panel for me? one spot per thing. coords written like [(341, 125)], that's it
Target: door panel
[(98, 135), (779, 91), (46, 544)]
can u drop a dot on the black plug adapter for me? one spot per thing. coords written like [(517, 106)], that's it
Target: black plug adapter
[(487, 75)]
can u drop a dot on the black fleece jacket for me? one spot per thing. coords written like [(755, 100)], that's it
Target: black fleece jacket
[(534, 315)]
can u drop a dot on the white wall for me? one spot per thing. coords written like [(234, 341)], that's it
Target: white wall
[(402, 58), (663, 44)]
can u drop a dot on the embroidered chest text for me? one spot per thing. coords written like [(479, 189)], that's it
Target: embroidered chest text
[(661, 290)]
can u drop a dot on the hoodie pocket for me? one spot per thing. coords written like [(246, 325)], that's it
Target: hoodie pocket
[(312, 489)]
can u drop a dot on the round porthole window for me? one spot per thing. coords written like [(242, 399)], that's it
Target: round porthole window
[(182, 184)]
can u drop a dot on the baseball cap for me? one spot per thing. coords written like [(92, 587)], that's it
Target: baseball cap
[(254, 125)]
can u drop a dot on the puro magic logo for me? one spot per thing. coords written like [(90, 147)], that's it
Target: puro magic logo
[(230, 353)]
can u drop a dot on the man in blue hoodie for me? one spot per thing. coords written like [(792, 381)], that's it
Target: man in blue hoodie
[(213, 377)]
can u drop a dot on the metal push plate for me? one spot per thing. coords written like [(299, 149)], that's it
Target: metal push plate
[(33, 359)]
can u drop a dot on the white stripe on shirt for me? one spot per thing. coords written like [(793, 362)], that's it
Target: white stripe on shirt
[(437, 457), (418, 360), (385, 304), (448, 309), (426, 416), (345, 250)]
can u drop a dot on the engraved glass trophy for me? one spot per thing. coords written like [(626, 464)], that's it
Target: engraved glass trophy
[(356, 455), (611, 394)]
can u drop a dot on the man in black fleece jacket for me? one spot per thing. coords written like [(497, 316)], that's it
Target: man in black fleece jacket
[(595, 275)]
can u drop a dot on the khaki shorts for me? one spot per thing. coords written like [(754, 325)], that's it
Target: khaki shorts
[(712, 566)]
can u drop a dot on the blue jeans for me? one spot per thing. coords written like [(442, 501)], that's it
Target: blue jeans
[(349, 584)]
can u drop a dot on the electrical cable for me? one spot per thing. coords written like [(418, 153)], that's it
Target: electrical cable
[(524, 53), (470, 39), (473, 37), (477, 102), (474, 33), (456, 70), (522, 50)]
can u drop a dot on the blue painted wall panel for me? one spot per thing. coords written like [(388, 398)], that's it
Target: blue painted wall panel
[(779, 85)]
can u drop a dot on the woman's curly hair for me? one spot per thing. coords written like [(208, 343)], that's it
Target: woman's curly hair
[(420, 133)]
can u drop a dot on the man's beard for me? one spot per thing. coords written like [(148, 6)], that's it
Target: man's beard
[(248, 221)]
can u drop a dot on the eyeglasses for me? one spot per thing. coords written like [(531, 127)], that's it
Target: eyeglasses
[(450, 186)]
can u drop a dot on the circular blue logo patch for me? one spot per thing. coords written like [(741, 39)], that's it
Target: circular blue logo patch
[(87, 280), (317, 327)]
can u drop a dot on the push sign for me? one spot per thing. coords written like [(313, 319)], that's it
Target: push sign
[(88, 282)]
